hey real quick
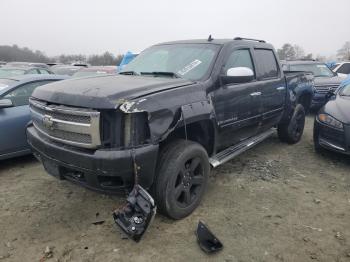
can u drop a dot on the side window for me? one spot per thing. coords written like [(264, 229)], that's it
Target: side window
[(43, 71), (344, 69), (21, 94), (239, 58), (266, 64), (33, 71)]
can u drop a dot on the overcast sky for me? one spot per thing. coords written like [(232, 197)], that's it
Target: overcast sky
[(95, 26)]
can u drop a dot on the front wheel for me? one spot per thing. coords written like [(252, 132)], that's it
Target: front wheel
[(292, 131), (182, 176)]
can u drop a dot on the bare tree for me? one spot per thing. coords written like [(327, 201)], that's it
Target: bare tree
[(287, 52), (299, 52), (344, 52)]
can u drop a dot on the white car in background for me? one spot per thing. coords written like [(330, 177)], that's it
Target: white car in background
[(342, 68)]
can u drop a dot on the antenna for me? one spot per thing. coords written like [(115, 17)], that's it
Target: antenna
[(210, 38)]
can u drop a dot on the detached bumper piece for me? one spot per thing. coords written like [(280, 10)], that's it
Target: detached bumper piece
[(206, 239), (137, 215)]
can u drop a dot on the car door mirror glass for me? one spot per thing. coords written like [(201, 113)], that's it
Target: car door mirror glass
[(236, 75), (4, 103)]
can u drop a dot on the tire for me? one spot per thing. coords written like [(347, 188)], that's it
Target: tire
[(292, 132), (182, 177)]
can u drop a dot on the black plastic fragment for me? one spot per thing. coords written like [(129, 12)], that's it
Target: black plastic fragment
[(137, 215), (206, 239)]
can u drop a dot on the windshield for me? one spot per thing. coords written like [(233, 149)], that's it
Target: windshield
[(318, 70), (8, 72), (189, 61)]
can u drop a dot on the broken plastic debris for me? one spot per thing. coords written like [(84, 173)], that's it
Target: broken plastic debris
[(206, 239), (137, 215)]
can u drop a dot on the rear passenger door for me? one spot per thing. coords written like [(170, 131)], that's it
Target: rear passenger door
[(237, 106), (271, 86)]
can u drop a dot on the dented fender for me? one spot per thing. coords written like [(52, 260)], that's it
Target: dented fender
[(163, 118)]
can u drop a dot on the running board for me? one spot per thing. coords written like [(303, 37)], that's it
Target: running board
[(233, 151)]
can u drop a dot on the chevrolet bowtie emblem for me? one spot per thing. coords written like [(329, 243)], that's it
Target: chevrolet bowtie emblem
[(47, 122)]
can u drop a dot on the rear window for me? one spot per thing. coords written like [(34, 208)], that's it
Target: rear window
[(266, 64)]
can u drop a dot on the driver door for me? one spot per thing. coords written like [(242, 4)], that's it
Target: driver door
[(237, 105)]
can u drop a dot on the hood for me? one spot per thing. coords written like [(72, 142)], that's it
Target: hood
[(339, 108), (335, 80), (105, 92)]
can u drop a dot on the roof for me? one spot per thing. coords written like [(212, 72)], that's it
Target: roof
[(24, 68), (219, 42), (28, 78)]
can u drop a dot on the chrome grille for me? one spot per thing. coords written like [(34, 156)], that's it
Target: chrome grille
[(324, 89), (74, 126)]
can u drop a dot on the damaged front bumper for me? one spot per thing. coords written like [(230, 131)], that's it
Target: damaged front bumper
[(104, 170)]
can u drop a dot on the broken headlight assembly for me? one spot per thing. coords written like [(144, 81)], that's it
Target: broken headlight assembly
[(136, 129), (330, 121), (135, 217)]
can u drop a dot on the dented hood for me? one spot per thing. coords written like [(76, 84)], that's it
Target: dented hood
[(105, 92)]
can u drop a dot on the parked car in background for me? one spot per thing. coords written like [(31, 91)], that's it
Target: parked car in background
[(2, 63), (332, 123), (174, 110), (80, 64), (27, 64), (54, 64), (67, 70), (8, 71), (14, 111), (95, 71), (342, 68), (324, 81)]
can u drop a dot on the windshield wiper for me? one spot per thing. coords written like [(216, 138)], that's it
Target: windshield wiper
[(156, 73), (128, 73)]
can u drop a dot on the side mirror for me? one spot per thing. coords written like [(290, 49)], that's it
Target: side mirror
[(5, 103), (238, 75)]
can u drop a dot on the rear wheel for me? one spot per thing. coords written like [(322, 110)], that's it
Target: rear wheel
[(292, 132), (182, 177)]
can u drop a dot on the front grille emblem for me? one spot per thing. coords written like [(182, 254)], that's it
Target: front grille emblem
[(47, 122)]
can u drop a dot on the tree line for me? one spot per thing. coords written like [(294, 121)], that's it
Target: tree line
[(294, 52), (24, 54)]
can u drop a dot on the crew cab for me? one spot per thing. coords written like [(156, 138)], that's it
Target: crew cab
[(175, 111)]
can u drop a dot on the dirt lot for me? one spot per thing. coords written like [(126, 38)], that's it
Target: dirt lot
[(274, 203)]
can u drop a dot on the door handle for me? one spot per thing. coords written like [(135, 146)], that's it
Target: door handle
[(256, 94), (281, 88)]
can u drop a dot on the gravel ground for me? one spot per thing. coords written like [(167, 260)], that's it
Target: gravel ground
[(274, 203)]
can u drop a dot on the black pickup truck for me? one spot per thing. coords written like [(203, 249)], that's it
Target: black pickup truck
[(174, 112)]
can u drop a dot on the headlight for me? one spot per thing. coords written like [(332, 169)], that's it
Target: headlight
[(331, 121)]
